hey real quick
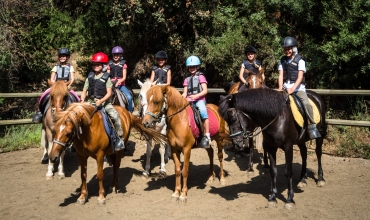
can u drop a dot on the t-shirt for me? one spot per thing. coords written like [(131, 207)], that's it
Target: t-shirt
[(202, 79)]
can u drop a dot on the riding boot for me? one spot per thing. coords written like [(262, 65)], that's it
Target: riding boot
[(313, 132), (37, 118), (120, 145), (204, 142)]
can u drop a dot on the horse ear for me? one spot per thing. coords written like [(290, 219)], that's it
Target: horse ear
[(67, 83), (50, 83), (155, 82), (262, 70), (164, 88), (140, 83)]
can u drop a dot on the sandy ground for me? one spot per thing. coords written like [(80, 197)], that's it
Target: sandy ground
[(26, 194)]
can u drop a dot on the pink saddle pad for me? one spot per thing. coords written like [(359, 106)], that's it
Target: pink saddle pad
[(214, 126)]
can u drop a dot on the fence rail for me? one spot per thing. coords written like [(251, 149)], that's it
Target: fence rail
[(212, 91)]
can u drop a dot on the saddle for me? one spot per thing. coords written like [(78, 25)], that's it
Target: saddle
[(121, 97), (109, 128), (299, 112), (196, 125), (45, 101)]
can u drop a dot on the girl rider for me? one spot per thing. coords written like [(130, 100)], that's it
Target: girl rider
[(161, 72)]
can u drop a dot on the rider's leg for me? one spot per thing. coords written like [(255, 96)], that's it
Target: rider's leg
[(37, 118), (313, 132), (117, 124), (128, 96), (206, 139)]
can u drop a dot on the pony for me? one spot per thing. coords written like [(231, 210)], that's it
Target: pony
[(268, 108), (166, 100), (160, 126), (119, 98), (254, 81), (83, 125), (59, 98)]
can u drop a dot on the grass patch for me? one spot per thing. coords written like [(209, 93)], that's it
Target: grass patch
[(20, 137)]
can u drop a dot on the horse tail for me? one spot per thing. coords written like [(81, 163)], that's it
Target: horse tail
[(149, 132)]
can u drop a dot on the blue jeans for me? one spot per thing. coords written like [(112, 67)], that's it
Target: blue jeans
[(128, 96), (201, 104)]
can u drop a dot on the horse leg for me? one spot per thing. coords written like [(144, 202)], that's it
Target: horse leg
[(162, 151), (100, 177), (185, 174), (116, 161), (265, 158), (45, 157), (50, 174), (146, 172), (220, 159), (288, 174), (273, 173), (84, 192), (167, 153), (251, 149), (320, 173), (176, 160), (61, 174), (302, 180), (211, 176)]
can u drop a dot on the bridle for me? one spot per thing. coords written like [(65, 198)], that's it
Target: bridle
[(243, 131), (158, 117), (74, 134)]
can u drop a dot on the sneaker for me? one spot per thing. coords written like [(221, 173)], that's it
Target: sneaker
[(37, 118), (120, 145), (313, 132), (204, 143)]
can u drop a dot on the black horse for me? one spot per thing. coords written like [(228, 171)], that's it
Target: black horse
[(269, 109)]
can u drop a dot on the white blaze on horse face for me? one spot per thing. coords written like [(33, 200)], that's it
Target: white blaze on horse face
[(151, 98), (254, 82), (61, 128)]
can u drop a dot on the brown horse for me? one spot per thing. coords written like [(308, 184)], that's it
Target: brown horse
[(254, 81), (59, 98), (168, 101), (86, 129)]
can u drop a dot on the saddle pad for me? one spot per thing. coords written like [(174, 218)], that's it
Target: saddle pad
[(297, 115), (108, 128), (214, 126), (44, 102)]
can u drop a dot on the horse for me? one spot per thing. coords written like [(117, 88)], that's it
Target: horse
[(166, 100), (119, 98), (160, 126), (83, 125), (59, 98), (254, 81), (268, 108)]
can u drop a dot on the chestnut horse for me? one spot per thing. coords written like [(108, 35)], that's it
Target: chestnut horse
[(166, 100), (59, 98), (161, 126), (268, 108), (254, 81), (83, 125)]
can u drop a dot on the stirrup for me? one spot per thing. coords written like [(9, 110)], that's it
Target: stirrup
[(204, 143), (37, 118), (120, 145), (313, 132)]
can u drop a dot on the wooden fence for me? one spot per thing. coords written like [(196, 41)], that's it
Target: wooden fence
[(212, 91)]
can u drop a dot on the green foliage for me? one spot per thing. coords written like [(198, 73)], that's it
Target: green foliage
[(20, 137)]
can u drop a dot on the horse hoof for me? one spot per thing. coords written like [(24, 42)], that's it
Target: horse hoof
[(81, 201), (162, 174), (49, 177), (289, 206), (101, 201), (320, 183), (301, 185), (44, 161), (61, 176), (182, 199), (145, 175), (272, 204)]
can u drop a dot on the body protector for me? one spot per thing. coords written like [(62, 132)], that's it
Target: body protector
[(291, 69), (116, 69), (194, 86), (97, 87), (63, 72), (161, 74), (251, 67)]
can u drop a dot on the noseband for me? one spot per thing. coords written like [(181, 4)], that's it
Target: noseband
[(157, 117)]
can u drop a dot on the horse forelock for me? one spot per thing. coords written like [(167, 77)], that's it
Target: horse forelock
[(59, 88), (76, 113), (260, 102)]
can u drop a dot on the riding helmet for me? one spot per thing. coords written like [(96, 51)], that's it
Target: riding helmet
[(289, 42), (64, 51), (250, 49), (193, 61), (99, 57), (117, 49), (161, 54)]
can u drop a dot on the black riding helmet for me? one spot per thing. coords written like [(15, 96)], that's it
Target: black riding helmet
[(289, 42), (250, 49), (64, 51), (161, 54)]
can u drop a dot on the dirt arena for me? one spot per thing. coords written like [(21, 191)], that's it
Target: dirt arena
[(26, 194)]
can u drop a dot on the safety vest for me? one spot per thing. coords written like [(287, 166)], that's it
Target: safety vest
[(161, 74), (63, 72), (194, 86), (97, 87), (291, 69), (116, 69), (250, 66)]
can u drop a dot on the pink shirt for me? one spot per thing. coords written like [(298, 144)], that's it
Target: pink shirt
[(114, 78), (202, 79)]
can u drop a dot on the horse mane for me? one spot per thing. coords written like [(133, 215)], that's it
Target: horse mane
[(146, 84), (174, 98), (223, 105), (59, 88), (260, 102), (76, 113)]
